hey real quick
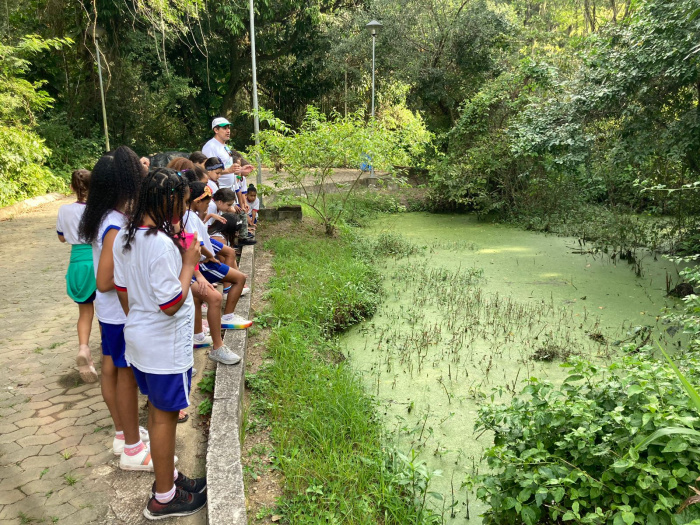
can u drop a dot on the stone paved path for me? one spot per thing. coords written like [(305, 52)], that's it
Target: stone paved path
[(56, 464)]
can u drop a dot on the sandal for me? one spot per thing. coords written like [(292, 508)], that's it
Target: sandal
[(183, 416)]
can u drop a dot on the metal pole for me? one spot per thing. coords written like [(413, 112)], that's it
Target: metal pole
[(102, 94), (371, 161), (373, 40), (256, 120)]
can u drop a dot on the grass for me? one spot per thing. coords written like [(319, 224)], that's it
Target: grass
[(327, 434)]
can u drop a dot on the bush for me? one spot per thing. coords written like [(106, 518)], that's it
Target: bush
[(567, 453)]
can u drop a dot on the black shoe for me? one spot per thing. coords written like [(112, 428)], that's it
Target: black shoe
[(196, 485), (247, 242), (183, 504)]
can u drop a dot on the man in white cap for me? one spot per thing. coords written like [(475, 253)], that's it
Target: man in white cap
[(234, 164)]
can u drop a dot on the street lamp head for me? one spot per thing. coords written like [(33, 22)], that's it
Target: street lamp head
[(374, 27)]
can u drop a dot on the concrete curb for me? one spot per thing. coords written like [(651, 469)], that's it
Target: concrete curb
[(225, 488), (15, 209)]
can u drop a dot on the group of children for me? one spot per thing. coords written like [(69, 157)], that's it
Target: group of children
[(148, 249)]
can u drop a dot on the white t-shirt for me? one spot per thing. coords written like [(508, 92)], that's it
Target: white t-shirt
[(244, 185), (68, 220), (107, 306), (212, 209), (156, 343), (192, 223), (214, 148), (212, 186), (255, 205)]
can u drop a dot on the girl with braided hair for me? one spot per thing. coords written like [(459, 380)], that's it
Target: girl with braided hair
[(152, 276), (114, 189)]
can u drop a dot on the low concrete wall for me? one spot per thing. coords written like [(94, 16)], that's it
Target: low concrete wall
[(280, 213), (15, 209), (224, 468)]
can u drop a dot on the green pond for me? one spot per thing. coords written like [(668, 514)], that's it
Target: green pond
[(481, 308)]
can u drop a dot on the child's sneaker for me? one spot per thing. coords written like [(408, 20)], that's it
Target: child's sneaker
[(224, 355), (201, 340), (183, 504), (235, 322), (196, 485), (141, 461), (118, 444)]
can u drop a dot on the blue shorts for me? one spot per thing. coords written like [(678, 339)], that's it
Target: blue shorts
[(113, 343), (166, 392), (213, 272), (216, 245)]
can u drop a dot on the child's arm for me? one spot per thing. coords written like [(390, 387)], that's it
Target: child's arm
[(213, 216), (189, 260), (105, 266), (61, 237), (207, 254), (124, 300)]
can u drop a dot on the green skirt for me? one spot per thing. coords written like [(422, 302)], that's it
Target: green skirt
[(80, 278)]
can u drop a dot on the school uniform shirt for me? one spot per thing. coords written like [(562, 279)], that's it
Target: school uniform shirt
[(214, 148), (255, 205), (156, 343), (107, 306), (68, 220), (192, 223), (212, 209), (212, 186), (243, 183)]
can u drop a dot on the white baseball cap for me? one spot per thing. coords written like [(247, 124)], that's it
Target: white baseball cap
[(219, 121)]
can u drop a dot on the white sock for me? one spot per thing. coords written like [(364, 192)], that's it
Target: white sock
[(166, 497), (175, 475), (200, 335)]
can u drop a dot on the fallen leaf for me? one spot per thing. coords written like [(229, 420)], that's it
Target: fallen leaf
[(276, 517)]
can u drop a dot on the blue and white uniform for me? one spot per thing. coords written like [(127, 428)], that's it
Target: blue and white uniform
[(158, 345)]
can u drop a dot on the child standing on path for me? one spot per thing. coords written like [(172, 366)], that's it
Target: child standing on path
[(80, 278), (114, 188), (152, 276)]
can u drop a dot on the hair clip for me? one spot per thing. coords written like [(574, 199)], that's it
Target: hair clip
[(206, 194)]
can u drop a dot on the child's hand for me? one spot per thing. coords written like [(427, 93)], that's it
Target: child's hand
[(203, 286), (219, 218), (193, 252), (237, 209)]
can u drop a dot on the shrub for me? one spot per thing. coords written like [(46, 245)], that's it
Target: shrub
[(567, 453)]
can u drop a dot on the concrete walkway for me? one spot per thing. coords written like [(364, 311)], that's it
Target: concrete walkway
[(56, 463)]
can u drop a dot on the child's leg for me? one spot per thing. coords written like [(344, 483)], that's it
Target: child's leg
[(109, 390), (228, 257), (128, 405), (85, 314), (214, 318), (162, 427), (198, 329), (237, 280), (86, 367)]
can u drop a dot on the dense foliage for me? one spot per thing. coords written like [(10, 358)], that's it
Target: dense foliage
[(568, 453)]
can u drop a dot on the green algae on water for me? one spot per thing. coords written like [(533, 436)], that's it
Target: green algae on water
[(475, 314)]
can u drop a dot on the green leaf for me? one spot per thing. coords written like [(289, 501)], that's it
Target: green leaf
[(628, 517), (663, 432), (677, 444), (528, 515), (692, 393)]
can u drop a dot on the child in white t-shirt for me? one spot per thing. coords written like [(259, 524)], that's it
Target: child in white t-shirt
[(80, 277), (253, 206), (114, 187), (215, 271), (152, 275)]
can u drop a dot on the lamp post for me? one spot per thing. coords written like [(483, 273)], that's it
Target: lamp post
[(96, 32), (256, 121), (373, 27)]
